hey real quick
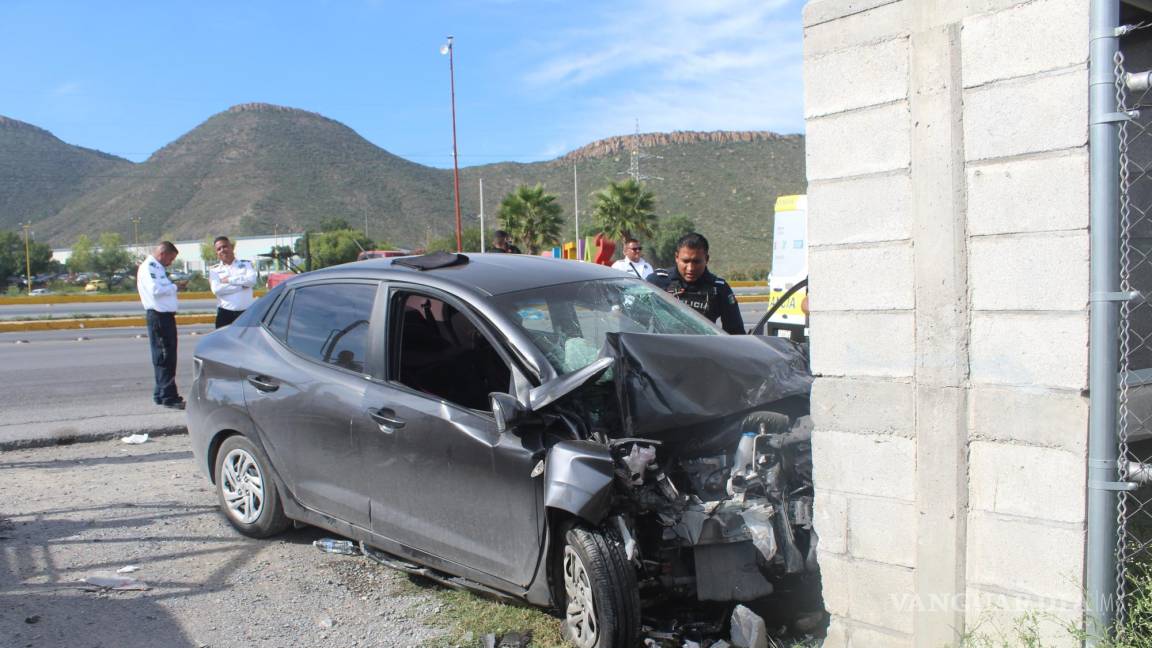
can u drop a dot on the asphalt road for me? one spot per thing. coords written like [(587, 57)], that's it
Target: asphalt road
[(62, 384)]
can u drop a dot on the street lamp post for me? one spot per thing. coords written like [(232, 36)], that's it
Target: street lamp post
[(27, 255), (447, 49), (136, 231)]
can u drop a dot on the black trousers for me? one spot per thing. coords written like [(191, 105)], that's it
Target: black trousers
[(162, 339), (224, 317)]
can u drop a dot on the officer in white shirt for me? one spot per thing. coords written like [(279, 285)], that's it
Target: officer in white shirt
[(633, 263), (158, 296), (232, 281)]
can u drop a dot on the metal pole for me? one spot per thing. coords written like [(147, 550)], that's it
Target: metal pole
[(455, 163), (576, 209), (482, 234), (1104, 176), (28, 257)]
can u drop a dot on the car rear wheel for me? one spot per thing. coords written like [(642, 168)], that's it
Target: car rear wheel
[(601, 603), (247, 490)]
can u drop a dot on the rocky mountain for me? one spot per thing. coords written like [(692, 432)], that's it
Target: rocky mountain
[(40, 175), (256, 168)]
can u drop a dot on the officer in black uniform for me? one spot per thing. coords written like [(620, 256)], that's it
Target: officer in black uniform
[(692, 283)]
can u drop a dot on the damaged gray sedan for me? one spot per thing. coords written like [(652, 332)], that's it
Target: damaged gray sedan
[(541, 430)]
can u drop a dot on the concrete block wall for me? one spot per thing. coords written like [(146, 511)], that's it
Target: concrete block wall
[(948, 212)]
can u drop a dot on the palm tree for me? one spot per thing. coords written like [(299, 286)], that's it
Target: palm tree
[(624, 209), (531, 217)]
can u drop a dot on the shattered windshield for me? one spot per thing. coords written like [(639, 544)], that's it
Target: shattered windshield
[(569, 322)]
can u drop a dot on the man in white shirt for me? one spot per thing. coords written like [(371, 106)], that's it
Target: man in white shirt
[(232, 281), (633, 263), (158, 296)]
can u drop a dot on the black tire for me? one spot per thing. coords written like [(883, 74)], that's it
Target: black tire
[(247, 490), (610, 582)]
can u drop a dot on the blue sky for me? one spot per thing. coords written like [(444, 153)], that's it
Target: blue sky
[(533, 79)]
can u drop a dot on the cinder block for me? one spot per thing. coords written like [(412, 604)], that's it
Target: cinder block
[(1046, 271), (1029, 349), (862, 343), (864, 464), (870, 140), (834, 215), (1042, 113), (1029, 415), (1025, 39), (1028, 195), (1027, 481), (872, 276), (877, 593), (865, 637), (837, 636), (884, 22), (830, 517), (866, 75), (882, 530), (1029, 557), (822, 11), (996, 618), (864, 405), (836, 583)]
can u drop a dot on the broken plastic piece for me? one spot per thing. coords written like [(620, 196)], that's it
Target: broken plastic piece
[(116, 583), (758, 520), (330, 545), (748, 629), (135, 439), (127, 569)]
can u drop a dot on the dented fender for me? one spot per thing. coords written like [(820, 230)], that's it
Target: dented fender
[(578, 479)]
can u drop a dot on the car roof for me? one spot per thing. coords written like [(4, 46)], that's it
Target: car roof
[(493, 274)]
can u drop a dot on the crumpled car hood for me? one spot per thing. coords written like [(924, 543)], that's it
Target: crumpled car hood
[(692, 391)]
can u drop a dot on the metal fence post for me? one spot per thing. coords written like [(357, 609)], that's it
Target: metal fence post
[(1104, 173)]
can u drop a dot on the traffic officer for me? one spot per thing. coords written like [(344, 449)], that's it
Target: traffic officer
[(158, 296), (692, 283), (232, 281), (633, 263)]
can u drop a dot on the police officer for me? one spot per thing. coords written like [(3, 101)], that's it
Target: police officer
[(232, 281), (158, 296), (692, 283)]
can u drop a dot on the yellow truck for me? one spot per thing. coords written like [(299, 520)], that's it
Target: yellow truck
[(788, 280)]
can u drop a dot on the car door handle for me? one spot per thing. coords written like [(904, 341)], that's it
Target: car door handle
[(386, 419), (263, 383)]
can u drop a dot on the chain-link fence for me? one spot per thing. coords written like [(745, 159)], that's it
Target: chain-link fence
[(1134, 418)]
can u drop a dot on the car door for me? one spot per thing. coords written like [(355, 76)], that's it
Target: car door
[(443, 480), (304, 391)]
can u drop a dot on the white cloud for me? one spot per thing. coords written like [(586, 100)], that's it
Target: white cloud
[(68, 89), (679, 65)]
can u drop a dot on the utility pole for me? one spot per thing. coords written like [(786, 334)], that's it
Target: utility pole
[(136, 232), (28, 255), (576, 209), (482, 234)]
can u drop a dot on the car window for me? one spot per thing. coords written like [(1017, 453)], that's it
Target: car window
[(570, 322), (278, 322), (438, 350), (329, 323)]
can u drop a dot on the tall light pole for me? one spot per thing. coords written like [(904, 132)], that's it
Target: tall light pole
[(136, 231), (27, 255), (447, 49)]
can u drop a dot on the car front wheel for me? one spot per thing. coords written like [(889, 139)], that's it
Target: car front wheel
[(601, 602), (247, 491)]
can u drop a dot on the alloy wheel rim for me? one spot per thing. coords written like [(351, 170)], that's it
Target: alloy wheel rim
[(580, 614), (242, 485)]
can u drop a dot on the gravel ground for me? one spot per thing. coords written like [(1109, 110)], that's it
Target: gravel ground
[(72, 512)]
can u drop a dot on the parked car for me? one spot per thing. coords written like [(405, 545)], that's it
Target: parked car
[(538, 429), (96, 285), (36, 292)]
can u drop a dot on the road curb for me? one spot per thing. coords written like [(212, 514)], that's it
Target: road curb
[(82, 437)]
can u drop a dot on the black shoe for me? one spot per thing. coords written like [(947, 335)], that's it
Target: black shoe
[(178, 405)]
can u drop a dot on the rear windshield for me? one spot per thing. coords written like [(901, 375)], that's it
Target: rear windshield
[(569, 322)]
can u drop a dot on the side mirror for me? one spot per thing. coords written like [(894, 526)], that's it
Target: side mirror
[(506, 409)]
